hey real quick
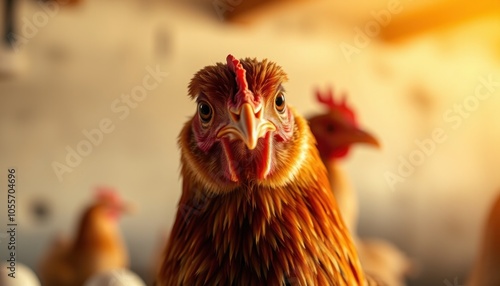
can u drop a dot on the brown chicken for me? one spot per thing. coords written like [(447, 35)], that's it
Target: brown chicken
[(336, 131), (256, 206), (97, 247), (486, 268)]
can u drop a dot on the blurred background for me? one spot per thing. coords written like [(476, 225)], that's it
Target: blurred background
[(409, 68)]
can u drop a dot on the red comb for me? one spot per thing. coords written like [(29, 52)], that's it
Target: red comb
[(107, 194), (235, 65), (340, 105)]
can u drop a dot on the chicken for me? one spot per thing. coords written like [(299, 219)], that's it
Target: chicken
[(336, 131), (256, 206), (97, 247), (485, 270)]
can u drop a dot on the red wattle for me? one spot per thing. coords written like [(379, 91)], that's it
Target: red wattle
[(265, 163), (233, 176)]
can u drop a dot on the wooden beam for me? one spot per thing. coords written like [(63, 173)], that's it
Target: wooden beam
[(448, 13)]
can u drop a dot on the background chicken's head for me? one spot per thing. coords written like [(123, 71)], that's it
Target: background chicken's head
[(337, 129), (108, 204)]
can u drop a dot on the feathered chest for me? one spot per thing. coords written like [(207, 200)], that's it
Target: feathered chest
[(259, 236)]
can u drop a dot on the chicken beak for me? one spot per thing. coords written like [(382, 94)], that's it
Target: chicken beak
[(355, 135), (128, 208), (247, 125)]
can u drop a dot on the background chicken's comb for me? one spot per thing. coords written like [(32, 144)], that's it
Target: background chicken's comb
[(107, 194), (327, 98)]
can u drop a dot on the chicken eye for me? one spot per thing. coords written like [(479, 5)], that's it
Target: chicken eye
[(330, 128), (205, 111), (279, 102)]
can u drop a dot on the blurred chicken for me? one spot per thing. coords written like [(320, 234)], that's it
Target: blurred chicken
[(336, 131), (97, 246), (256, 206), (486, 270)]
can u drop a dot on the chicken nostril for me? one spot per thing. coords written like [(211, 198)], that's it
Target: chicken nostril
[(258, 114), (235, 116), (247, 110)]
